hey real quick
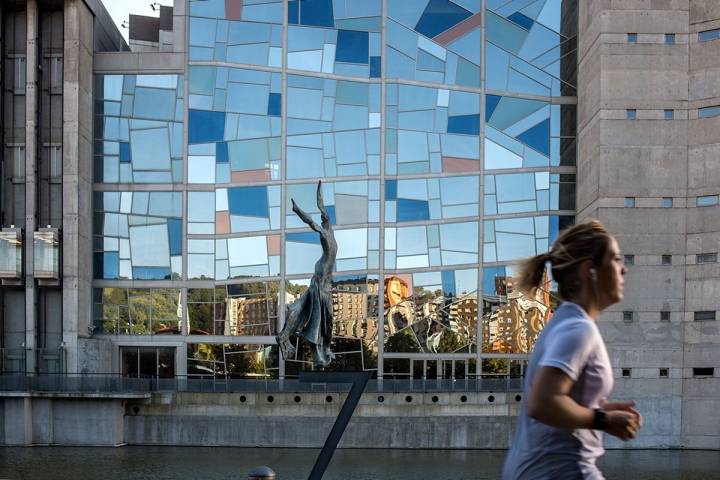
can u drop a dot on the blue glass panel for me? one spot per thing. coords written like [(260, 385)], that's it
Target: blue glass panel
[(175, 233), (489, 275), (390, 189), (303, 237), (251, 201), (205, 126), (538, 137), (491, 101), (411, 210), (151, 273), (318, 13), (352, 47), (274, 104), (375, 67), (467, 124), (331, 213), (520, 19), (448, 283), (221, 152), (111, 264), (293, 12), (124, 152), (440, 15)]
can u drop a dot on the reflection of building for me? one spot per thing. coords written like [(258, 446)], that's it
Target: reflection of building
[(514, 327), (249, 316)]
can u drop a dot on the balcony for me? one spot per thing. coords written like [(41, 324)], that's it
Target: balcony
[(47, 255), (11, 258)]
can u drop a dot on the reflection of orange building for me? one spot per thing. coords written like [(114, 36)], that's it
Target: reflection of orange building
[(249, 316), (396, 290)]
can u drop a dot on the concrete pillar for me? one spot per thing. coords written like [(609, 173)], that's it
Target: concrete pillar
[(77, 178), (31, 121)]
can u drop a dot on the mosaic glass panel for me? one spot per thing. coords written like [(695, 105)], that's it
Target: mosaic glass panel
[(408, 200), (138, 235), (234, 125), (355, 323), (137, 311), (522, 133), (528, 192), (346, 202), (139, 128), (236, 31), (335, 36), (434, 41), (531, 46), (232, 361), (333, 128), (431, 245), (431, 312), (358, 249), (431, 130)]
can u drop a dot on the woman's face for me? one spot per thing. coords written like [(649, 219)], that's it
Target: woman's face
[(610, 275)]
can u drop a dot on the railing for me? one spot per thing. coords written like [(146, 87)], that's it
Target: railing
[(91, 383)]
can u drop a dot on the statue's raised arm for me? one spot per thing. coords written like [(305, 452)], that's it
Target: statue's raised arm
[(305, 217), (324, 217)]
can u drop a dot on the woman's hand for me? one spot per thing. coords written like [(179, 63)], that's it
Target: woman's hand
[(622, 424), (625, 406)]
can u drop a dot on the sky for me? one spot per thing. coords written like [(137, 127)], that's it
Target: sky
[(120, 9)]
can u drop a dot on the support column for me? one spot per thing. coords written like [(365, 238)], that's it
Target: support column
[(77, 182), (31, 121)]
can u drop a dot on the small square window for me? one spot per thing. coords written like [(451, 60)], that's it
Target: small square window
[(706, 258), (665, 316), (632, 37), (667, 202), (667, 259), (703, 372), (707, 201), (629, 202), (629, 259), (668, 114), (627, 372), (627, 316), (669, 38), (704, 315), (631, 114), (664, 372)]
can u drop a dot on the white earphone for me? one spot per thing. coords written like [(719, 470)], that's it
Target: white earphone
[(593, 273)]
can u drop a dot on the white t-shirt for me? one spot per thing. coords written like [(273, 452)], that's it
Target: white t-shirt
[(571, 342)]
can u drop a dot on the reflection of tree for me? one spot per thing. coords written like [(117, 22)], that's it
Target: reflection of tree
[(450, 342), (403, 341), (140, 311), (495, 366)]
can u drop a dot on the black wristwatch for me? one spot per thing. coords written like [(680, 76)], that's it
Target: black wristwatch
[(600, 420)]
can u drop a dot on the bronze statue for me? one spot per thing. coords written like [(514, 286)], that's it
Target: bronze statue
[(311, 315)]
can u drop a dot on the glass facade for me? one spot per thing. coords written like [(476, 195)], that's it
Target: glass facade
[(443, 131)]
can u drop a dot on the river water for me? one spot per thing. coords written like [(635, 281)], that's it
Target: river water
[(216, 463)]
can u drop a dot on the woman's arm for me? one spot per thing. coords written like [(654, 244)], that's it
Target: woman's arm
[(549, 402)]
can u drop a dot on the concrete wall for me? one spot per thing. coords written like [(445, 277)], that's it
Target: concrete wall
[(223, 419), (61, 420), (650, 158)]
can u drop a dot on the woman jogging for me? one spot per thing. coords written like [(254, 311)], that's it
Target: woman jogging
[(569, 377)]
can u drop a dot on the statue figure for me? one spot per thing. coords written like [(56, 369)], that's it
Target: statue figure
[(311, 315)]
